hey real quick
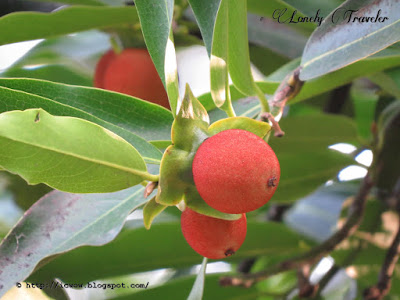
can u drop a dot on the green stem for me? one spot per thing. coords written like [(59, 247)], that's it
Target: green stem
[(150, 177), (145, 175), (263, 99), (229, 109)]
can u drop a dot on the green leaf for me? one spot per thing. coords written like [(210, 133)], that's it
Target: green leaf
[(372, 219), (386, 59), (273, 8), (161, 247), (171, 74), (76, 2), (245, 107), (22, 26), (124, 115), (57, 73), (159, 41), (150, 211), (303, 154), (67, 59), (239, 57), (389, 81), (23, 194), (10, 211), (198, 288), (257, 127), (67, 153), (342, 40), (383, 60), (180, 288), (219, 78), (60, 222), (310, 7), (230, 53), (280, 38), (364, 100), (206, 14), (143, 118)]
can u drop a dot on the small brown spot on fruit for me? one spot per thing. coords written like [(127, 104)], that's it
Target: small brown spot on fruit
[(229, 252), (271, 181)]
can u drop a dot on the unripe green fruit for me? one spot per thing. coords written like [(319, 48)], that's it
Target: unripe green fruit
[(211, 237), (131, 72), (235, 171)]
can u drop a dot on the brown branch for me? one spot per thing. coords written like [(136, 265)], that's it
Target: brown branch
[(356, 212), (348, 260), (306, 288), (382, 288), (275, 125), (245, 265), (288, 89)]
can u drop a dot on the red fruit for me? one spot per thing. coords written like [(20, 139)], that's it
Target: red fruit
[(211, 237), (131, 72), (101, 67), (235, 171)]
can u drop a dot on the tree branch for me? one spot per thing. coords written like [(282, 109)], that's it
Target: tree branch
[(356, 212), (382, 288), (335, 268), (306, 288), (266, 116), (287, 90)]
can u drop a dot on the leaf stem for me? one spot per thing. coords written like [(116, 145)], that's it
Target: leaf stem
[(150, 177), (145, 175), (262, 98), (229, 109)]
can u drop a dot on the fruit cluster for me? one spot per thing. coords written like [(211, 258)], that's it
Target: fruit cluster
[(235, 172)]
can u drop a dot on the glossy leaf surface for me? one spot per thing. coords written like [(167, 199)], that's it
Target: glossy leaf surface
[(206, 13), (22, 26), (342, 39), (163, 246), (159, 42), (59, 222), (122, 114), (198, 288), (67, 153)]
